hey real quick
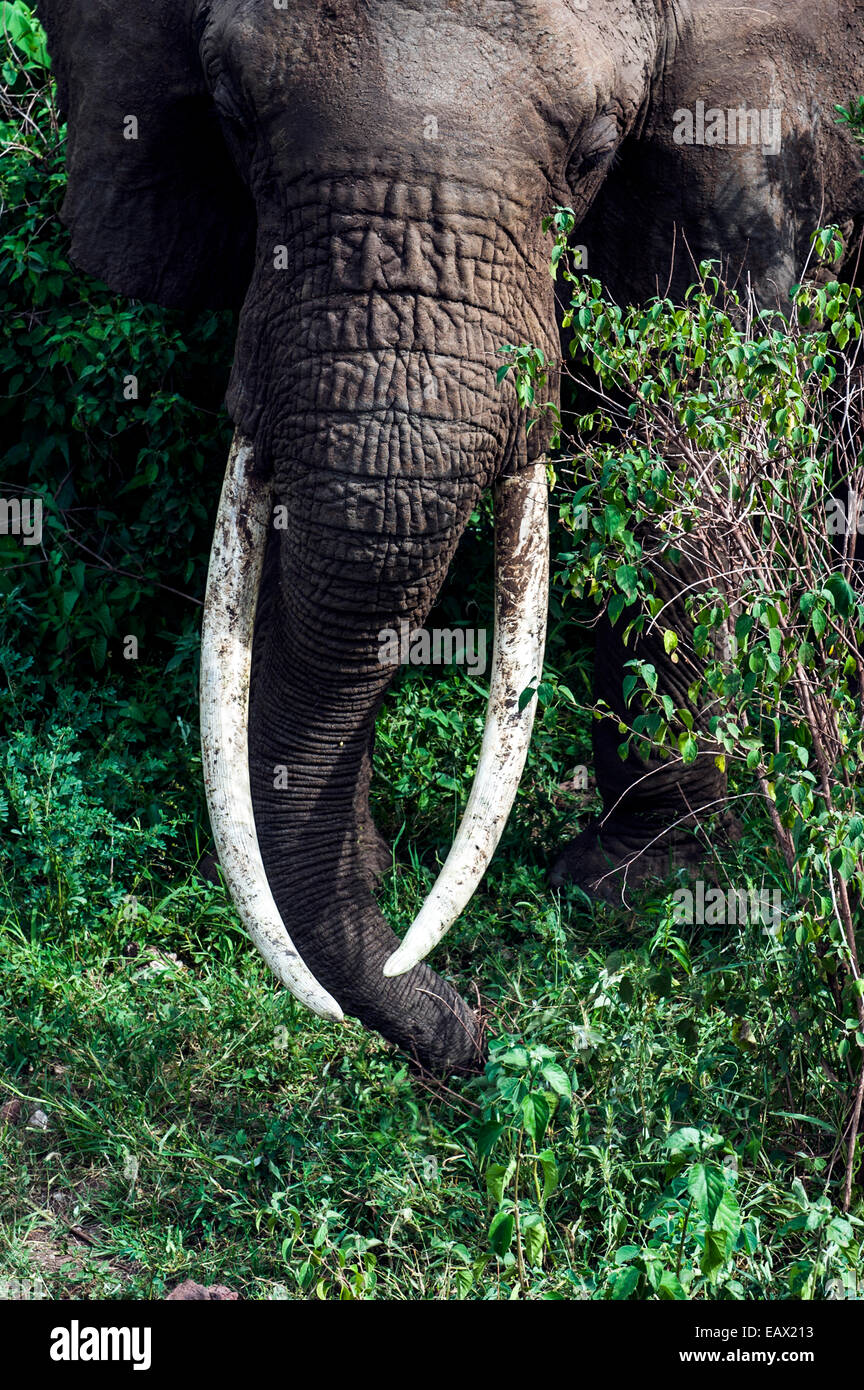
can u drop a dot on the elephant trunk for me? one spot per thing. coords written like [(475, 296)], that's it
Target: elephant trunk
[(329, 590)]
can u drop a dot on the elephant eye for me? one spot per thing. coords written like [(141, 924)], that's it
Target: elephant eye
[(593, 160), (596, 148), (229, 107)]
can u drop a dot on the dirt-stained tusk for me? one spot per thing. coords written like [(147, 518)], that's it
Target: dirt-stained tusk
[(233, 581), (521, 598)]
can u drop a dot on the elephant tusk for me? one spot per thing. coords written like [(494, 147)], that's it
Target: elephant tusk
[(233, 581), (521, 597)]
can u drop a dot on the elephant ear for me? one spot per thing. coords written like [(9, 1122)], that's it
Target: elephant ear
[(678, 194), (154, 203)]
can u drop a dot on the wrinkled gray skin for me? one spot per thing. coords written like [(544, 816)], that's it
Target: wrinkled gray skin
[(404, 152)]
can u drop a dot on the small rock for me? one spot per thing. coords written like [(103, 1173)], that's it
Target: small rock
[(189, 1291), (38, 1120), (10, 1112)]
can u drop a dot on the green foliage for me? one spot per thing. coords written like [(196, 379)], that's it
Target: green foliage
[(852, 116), (524, 1088), (26, 40), (713, 438), (529, 364), (128, 482), (87, 808)]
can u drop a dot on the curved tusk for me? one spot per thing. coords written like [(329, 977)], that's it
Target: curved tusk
[(233, 581), (521, 598)]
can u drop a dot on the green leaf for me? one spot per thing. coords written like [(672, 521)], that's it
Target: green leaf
[(714, 1254), (688, 746), (547, 1162), (557, 1079), (488, 1137), (99, 651), (497, 1179), (534, 1238), (842, 593), (501, 1232), (526, 696), (514, 1057), (660, 982), (626, 1253), (535, 1116), (706, 1184), (617, 604), (626, 578), (728, 1216), (625, 1284)]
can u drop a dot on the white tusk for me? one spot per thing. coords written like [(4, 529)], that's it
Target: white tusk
[(233, 581), (521, 598)]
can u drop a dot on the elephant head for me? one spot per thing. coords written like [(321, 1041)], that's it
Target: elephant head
[(366, 181)]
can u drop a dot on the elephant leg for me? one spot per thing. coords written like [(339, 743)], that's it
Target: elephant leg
[(653, 807)]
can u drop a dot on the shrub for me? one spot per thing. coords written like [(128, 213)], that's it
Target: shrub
[(719, 448)]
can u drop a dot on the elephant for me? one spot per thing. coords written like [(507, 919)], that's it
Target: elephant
[(365, 182)]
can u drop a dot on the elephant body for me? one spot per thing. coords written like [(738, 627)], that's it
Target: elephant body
[(365, 180)]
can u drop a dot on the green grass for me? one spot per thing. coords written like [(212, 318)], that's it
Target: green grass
[(199, 1124)]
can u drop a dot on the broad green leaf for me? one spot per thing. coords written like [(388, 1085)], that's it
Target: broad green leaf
[(501, 1232), (706, 1184), (626, 1284), (498, 1176), (535, 1116), (534, 1238), (547, 1162), (670, 1288), (714, 1254), (488, 1137), (557, 1079)]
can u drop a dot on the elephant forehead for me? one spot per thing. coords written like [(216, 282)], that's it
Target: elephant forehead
[(410, 73)]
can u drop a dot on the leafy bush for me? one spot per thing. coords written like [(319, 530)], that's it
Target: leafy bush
[(111, 413), (718, 447)]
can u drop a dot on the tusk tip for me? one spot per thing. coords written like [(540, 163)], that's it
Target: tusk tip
[(327, 1008), (398, 964)]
